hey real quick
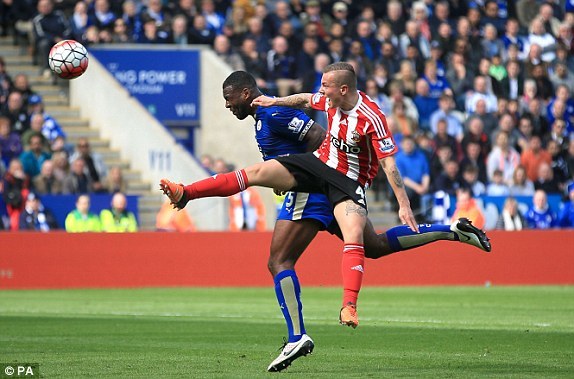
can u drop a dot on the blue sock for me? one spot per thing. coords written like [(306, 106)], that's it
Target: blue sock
[(403, 238), (288, 294)]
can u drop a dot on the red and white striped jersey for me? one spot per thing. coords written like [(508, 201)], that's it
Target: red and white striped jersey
[(356, 139)]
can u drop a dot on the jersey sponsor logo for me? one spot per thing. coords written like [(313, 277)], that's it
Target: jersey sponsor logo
[(295, 125), (343, 145), (386, 145)]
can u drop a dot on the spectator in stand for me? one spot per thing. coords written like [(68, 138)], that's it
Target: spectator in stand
[(466, 207), (475, 133), (425, 105), (512, 37), (559, 112), (511, 86), (537, 114), (46, 183), (492, 17), (50, 27), (497, 187), (545, 89), (539, 36), (121, 33), (5, 82), (507, 124), (546, 181), (502, 157), (442, 138), (521, 185), (491, 44), (448, 181), (407, 126), (446, 112), (15, 110), (559, 164), (33, 158), (407, 77), (152, 34), (222, 48), (101, 16), (395, 17), (50, 128), (283, 14), (511, 219), (82, 219), (413, 37), (374, 92), (79, 21), (442, 154), (340, 13), (539, 215), (397, 93), (200, 33), (258, 34), (533, 157), (16, 186), (313, 15), (172, 220), (21, 84), (77, 181), (61, 164), (281, 68), (473, 158), (561, 76), (470, 181), (558, 134), (371, 46), (480, 92), (115, 181), (132, 18), (95, 167), (246, 211), (159, 13), (566, 217), (36, 123), (179, 34), (118, 219), (10, 144), (35, 217), (414, 167)]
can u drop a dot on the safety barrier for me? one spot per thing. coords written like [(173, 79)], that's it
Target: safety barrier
[(99, 260)]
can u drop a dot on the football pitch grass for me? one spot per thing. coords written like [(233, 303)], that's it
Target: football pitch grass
[(429, 332)]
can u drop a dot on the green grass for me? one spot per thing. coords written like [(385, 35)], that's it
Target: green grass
[(431, 332)]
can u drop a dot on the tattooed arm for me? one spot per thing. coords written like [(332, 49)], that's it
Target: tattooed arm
[(396, 181), (298, 100)]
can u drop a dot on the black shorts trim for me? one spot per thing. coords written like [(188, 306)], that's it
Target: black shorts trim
[(314, 176)]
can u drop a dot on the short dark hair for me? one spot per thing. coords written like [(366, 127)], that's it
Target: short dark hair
[(348, 76), (240, 80)]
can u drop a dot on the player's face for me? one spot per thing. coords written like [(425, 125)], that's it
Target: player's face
[(237, 101), (331, 89)]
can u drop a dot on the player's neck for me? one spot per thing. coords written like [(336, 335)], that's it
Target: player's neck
[(350, 101)]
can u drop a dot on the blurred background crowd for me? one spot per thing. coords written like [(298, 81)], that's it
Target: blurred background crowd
[(478, 93)]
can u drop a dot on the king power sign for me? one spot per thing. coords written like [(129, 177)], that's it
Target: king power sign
[(165, 81)]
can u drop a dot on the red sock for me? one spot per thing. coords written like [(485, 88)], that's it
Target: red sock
[(352, 267), (217, 185)]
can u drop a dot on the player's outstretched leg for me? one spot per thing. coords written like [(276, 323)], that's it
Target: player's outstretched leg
[(401, 238)]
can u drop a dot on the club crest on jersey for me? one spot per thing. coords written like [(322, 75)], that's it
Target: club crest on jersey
[(355, 136), (386, 145)]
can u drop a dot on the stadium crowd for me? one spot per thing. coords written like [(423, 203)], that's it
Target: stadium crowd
[(478, 93)]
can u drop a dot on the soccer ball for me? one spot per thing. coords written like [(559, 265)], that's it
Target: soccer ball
[(68, 59)]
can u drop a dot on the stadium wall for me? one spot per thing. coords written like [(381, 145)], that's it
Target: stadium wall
[(60, 260)]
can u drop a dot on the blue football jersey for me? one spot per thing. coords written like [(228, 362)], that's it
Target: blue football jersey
[(281, 131)]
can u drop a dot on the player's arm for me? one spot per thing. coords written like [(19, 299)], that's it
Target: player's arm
[(395, 179), (298, 100), (314, 137)]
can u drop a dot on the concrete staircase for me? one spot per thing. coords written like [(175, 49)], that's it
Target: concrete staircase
[(55, 96)]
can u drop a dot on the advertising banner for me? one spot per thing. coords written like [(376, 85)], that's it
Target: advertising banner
[(165, 81)]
